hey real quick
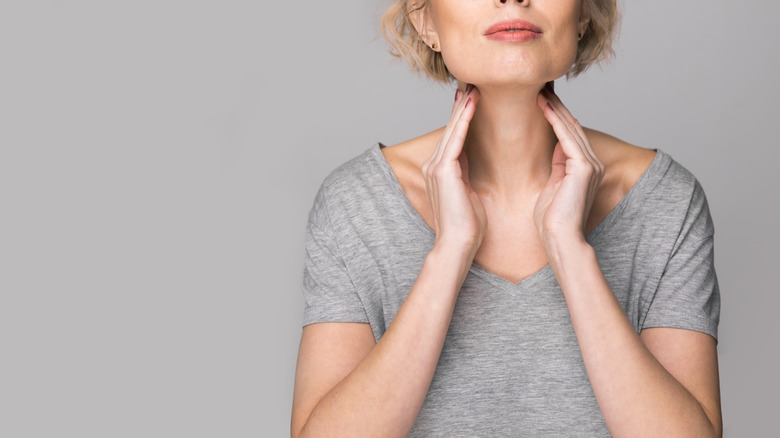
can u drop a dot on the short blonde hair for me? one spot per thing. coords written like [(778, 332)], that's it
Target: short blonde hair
[(397, 28)]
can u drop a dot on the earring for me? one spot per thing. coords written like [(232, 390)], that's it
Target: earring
[(433, 46), (579, 35)]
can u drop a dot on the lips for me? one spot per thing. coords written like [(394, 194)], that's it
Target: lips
[(509, 25)]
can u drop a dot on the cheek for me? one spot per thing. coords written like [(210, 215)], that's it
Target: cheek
[(460, 36), (569, 48), (455, 58), (464, 59), (564, 36), (565, 47)]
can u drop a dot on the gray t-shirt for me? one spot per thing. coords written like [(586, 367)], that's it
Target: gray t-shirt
[(510, 364)]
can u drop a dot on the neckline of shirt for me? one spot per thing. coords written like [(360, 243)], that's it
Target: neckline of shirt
[(653, 172)]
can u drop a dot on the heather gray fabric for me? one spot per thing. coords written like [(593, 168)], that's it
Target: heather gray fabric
[(511, 364)]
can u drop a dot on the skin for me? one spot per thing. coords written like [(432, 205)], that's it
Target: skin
[(512, 172)]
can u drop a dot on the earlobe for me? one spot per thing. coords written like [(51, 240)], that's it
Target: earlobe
[(583, 27), (420, 19), (583, 24)]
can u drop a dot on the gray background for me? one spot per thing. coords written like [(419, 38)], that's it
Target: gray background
[(159, 159)]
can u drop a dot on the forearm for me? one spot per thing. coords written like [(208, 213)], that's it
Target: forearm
[(636, 394), (384, 393)]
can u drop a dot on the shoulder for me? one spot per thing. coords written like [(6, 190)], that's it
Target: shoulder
[(671, 192), (630, 162), (410, 154), (356, 168), (625, 162), (338, 184), (357, 191)]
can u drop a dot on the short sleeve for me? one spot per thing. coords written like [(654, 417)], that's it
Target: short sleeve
[(688, 295), (328, 291)]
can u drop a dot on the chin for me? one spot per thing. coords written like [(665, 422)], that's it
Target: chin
[(509, 77), (508, 73)]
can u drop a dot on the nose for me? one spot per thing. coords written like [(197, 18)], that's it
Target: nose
[(504, 1)]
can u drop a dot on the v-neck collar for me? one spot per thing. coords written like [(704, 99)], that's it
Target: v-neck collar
[(650, 175)]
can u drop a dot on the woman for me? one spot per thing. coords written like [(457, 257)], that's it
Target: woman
[(512, 273)]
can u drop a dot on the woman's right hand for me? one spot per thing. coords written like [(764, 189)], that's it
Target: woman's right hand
[(459, 216)]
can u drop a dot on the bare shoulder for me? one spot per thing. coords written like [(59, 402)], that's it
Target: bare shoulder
[(406, 160), (625, 162), (413, 152)]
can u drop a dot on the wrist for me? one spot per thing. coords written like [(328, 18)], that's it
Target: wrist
[(452, 255), (453, 248), (561, 250)]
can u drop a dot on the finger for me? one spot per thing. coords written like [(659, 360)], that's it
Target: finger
[(558, 104), (557, 120), (459, 131), (458, 95), (464, 97), (566, 120), (587, 151), (575, 124), (456, 109), (571, 147), (447, 129), (582, 150), (571, 121)]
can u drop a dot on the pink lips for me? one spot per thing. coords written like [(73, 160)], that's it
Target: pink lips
[(513, 30)]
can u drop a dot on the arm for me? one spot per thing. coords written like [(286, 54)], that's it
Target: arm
[(663, 382), (346, 386)]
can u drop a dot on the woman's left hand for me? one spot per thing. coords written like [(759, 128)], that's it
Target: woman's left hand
[(564, 204)]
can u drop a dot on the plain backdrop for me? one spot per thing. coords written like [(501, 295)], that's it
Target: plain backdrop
[(159, 158)]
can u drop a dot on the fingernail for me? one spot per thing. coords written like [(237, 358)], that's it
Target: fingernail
[(457, 93), (550, 106), (469, 87)]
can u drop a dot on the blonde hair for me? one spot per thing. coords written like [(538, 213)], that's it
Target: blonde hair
[(397, 28)]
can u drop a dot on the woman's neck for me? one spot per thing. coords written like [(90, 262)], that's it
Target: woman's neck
[(509, 144)]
